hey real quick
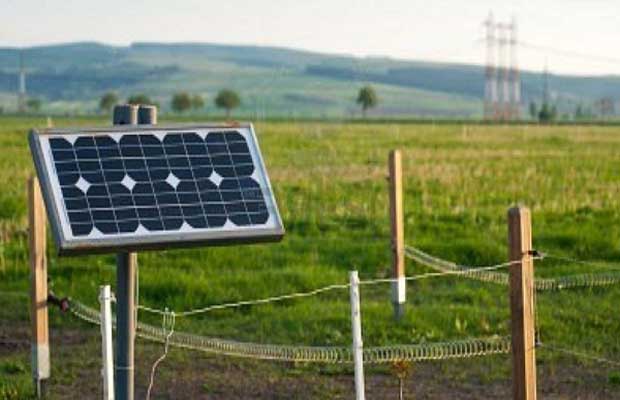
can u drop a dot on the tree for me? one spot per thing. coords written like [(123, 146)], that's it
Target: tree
[(139, 98), (533, 110), (107, 101), (605, 107), (367, 98), (227, 99), (547, 113), (34, 104), (197, 102), (554, 113), (181, 102), (583, 113), (578, 115)]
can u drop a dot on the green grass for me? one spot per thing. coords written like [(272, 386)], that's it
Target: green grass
[(329, 180)]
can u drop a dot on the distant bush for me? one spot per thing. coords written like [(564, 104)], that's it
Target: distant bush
[(107, 101), (227, 99), (181, 102), (34, 104), (547, 113), (140, 98), (198, 102)]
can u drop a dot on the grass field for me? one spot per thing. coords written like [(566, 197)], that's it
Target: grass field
[(330, 184)]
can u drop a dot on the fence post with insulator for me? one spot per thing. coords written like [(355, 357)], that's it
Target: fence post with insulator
[(399, 285), (522, 304), (37, 221)]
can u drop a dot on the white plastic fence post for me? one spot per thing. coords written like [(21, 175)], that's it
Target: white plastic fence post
[(356, 328), (107, 370)]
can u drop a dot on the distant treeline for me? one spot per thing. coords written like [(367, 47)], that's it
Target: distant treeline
[(456, 80), (469, 80), (369, 121), (81, 82)]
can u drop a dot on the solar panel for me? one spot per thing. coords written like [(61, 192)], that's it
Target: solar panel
[(154, 187)]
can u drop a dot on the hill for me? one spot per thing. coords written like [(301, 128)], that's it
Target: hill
[(272, 81)]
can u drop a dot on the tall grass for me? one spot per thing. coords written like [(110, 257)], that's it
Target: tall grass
[(330, 184)]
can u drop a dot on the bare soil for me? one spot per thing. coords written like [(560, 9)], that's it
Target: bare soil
[(195, 375)]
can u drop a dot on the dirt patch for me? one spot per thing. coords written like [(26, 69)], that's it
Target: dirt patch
[(195, 375)]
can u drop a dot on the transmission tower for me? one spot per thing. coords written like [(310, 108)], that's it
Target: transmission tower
[(545, 93), (490, 84), (21, 95), (502, 90), (504, 72), (515, 76)]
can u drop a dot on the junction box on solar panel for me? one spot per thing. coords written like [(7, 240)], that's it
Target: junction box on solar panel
[(131, 188)]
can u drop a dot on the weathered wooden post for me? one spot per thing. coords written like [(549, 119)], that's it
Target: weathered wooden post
[(38, 287), (522, 304), (399, 288)]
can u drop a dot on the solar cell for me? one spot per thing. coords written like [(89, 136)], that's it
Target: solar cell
[(145, 187)]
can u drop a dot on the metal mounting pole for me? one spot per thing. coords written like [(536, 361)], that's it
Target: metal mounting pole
[(126, 264)]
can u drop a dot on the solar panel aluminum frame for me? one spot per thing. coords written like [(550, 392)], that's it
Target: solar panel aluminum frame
[(161, 240)]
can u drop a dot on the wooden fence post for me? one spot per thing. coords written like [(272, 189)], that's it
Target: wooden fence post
[(38, 287), (522, 304), (399, 288)]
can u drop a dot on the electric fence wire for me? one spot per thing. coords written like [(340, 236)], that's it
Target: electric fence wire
[(322, 290), (247, 302), (581, 262), (167, 325), (541, 284), (466, 348), (326, 354), (580, 354), (15, 294)]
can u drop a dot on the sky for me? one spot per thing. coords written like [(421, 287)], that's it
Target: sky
[(570, 36)]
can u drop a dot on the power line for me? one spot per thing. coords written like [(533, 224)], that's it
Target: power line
[(569, 53), (561, 52)]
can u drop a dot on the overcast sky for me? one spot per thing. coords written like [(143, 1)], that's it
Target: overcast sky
[(584, 33)]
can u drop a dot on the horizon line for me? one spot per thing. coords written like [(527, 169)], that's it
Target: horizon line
[(295, 49)]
